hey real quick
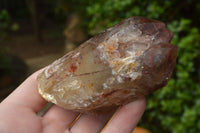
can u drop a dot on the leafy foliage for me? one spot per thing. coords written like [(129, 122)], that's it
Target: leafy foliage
[(6, 60), (6, 25), (175, 108)]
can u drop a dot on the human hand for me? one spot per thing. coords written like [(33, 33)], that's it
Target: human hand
[(18, 114)]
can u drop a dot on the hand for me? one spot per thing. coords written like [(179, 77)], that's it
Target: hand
[(18, 114)]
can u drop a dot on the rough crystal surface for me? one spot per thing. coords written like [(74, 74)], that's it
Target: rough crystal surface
[(130, 59)]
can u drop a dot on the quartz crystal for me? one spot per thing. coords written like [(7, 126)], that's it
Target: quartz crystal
[(130, 59)]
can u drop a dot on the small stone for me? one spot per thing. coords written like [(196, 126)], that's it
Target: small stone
[(130, 59)]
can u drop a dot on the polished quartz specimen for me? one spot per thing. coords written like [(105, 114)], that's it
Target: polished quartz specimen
[(130, 59)]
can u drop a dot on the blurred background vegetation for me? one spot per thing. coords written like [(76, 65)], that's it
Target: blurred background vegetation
[(33, 33)]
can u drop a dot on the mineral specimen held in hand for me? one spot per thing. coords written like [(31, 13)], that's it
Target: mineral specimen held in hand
[(130, 59)]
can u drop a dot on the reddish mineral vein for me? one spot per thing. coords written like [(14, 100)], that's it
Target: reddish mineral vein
[(95, 72), (72, 68)]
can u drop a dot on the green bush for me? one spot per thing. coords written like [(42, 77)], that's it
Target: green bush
[(10, 66), (6, 25), (176, 107)]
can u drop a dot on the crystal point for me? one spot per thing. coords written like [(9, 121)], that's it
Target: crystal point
[(130, 59)]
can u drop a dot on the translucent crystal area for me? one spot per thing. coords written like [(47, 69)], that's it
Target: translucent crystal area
[(130, 59)]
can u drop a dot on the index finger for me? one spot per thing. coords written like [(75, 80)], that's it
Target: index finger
[(27, 95)]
